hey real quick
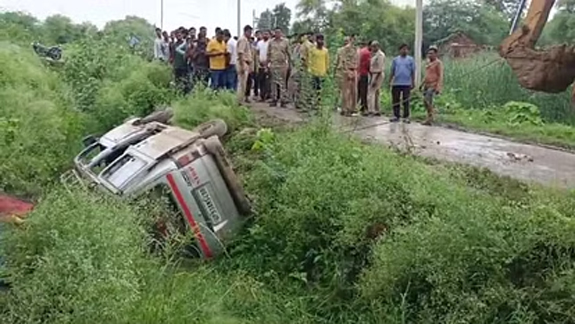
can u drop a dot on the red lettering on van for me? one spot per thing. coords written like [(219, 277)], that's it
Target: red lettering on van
[(195, 176)]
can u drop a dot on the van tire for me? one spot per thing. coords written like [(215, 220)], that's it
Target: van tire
[(216, 127), (160, 116), (215, 148)]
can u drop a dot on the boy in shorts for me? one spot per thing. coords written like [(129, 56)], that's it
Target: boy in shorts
[(433, 82)]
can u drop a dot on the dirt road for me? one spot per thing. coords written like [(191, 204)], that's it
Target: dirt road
[(529, 163)]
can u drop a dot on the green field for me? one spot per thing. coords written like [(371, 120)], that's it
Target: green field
[(342, 232)]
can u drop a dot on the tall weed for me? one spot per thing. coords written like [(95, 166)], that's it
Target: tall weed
[(39, 129), (204, 104), (479, 83)]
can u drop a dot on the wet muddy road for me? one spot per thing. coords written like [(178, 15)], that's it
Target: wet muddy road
[(529, 163)]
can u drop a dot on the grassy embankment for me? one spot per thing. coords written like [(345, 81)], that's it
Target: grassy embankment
[(342, 233), (485, 97)]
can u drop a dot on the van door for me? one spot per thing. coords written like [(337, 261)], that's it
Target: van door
[(193, 215)]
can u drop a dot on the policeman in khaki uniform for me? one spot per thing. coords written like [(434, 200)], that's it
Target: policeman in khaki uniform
[(304, 100), (244, 64), (376, 77), (347, 69), (337, 70), (278, 61), (254, 68)]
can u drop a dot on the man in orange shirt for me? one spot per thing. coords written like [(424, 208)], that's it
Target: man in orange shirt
[(433, 82)]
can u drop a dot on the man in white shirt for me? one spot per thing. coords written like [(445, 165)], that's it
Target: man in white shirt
[(159, 47), (231, 73), (263, 76)]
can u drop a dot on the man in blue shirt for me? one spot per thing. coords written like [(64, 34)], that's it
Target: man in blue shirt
[(402, 79)]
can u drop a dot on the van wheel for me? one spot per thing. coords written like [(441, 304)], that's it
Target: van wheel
[(55, 54), (215, 127), (215, 148), (161, 116)]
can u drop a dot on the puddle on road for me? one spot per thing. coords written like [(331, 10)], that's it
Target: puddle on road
[(521, 161)]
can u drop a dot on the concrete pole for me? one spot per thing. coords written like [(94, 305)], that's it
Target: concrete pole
[(418, 40), (162, 14), (517, 17), (239, 23)]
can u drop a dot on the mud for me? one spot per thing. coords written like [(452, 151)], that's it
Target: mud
[(528, 163), (552, 70)]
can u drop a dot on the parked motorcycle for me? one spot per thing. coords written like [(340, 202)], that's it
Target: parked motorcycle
[(54, 52)]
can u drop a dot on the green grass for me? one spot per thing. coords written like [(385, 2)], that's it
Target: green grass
[(475, 98), (517, 121), (554, 134), (342, 232), (477, 84)]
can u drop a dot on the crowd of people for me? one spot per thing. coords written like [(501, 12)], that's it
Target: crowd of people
[(280, 71)]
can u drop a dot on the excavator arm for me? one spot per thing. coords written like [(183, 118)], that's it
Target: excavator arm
[(551, 70)]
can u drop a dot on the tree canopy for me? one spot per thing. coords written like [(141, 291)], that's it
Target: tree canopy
[(487, 22), (562, 28), (279, 16)]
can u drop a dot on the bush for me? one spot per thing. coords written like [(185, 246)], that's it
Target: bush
[(111, 84), (433, 243), (479, 83), (39, 130), (205, 104), (491, 264), (79, 260), (138, 94), (342, 233), (82, 258)]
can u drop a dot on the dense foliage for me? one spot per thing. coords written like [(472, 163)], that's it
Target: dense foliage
[(342, 232)]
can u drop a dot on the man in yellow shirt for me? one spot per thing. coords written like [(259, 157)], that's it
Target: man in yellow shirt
[(318, 65), (217, 52)]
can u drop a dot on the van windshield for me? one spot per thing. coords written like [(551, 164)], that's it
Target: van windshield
[(123, 170), (91, 152), (97, 157)]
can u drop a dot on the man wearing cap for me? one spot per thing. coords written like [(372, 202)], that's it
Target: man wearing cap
[(337, 74), (244, 62), (347, 66), (376, 76), (279, 58)]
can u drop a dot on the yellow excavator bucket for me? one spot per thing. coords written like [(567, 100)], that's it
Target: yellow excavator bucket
[(551, 70)]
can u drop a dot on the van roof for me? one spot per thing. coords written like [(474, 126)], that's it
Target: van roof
[(118, 134), (168, 139)]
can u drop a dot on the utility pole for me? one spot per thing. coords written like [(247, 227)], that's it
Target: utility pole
[(517, 16), (239, 14), (162, 14), (418, 40)]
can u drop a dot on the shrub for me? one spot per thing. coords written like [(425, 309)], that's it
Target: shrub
[(138, 94), (111, 84), (79, 259), (205, 104), (489, 264), (40, 130), (83, 258)]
